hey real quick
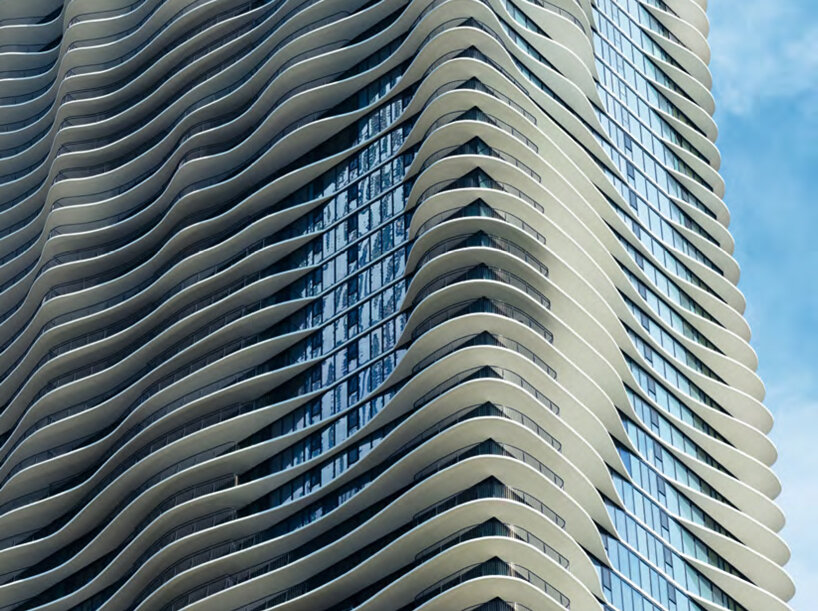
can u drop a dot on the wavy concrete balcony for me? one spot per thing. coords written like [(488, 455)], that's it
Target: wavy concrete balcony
[(387, 304)]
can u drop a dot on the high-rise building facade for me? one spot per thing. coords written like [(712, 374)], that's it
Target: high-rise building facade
[(380, 305)]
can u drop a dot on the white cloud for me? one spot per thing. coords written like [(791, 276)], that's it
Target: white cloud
[(763, 49)]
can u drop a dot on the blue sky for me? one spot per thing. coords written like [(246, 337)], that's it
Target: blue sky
[(765, 69)]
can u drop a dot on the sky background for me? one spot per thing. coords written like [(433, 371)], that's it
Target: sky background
[(765, 71)]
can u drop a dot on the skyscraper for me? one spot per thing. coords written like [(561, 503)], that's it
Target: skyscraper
[(386, 304)]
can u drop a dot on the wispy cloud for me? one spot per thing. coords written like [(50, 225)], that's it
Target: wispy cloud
[(764, 49)]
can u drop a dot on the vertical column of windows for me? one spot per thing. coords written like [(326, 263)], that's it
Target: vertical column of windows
[(666, 463), (652, 501), (669, 343), (670, 373), (639, 95), (666, 400), (665, 558), (637, 130), (663, 310), (663, 282), (651, 528), (664, 429), (635, 171)]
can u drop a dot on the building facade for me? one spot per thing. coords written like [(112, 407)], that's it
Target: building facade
[(386, 304)]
